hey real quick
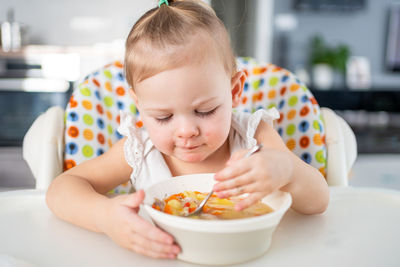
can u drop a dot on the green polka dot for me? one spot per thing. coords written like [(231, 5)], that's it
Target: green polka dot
[(133, 108), (304, 88), (87, 151), (273, 81), (290, 129), (108, 74), (110, 129), (256, 84), (86, 91), (87, 119), (108, 101), (319, 156), (271, 105), (293, 100), (316, 125)]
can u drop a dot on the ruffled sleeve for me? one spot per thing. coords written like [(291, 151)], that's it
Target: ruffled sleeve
[(254, 120), (134, 145)]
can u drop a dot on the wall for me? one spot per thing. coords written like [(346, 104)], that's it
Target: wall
[(76, 22), (364, 31)]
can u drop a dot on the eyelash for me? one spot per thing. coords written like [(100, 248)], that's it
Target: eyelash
[(200, 114)]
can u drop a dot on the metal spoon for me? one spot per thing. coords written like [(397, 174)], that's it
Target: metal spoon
[(200, 207)]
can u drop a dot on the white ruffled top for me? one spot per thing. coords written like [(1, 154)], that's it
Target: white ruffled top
[(149, 166)]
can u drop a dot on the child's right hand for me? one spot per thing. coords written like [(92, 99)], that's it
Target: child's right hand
[(123, 225)]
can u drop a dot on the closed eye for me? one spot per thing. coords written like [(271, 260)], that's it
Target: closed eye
[(164, 119), (206, 113)]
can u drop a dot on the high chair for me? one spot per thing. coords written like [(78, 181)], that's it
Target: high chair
[(59, 140)]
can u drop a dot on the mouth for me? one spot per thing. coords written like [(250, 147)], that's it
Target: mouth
[(189, 147)]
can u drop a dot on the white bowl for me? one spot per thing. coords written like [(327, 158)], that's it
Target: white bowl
[(220, 241)]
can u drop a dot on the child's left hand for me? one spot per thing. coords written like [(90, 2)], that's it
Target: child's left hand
[(259, 175)]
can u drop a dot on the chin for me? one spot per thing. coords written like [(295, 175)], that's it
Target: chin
[(193, 158)]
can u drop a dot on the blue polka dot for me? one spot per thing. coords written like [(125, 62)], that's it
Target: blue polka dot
[(246, 110), (281, 104), (304, 98), (96, 73), (86, 77), (321, 128), (100, 151), (259, 107), (285, 78), (71, 148), (97, 94), (120, 105), (120, 76), (262, 81), (119, 136), (72, 116), (100, 123), (280, 131), (306, 157), (246, 86), (298, 80), (303, 126)]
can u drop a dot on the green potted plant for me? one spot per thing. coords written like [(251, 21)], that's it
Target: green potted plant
[(326, 60)]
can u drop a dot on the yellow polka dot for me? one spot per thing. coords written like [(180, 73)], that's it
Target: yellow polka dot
[(109, 115), (87, 104), (88, 134), (291, 114), (317, 139), (108, 86), (272, 94), (291, 144)]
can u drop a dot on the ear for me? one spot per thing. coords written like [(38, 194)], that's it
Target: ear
[(237, 84)]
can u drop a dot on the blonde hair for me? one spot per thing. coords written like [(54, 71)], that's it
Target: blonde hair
[(157, 40)]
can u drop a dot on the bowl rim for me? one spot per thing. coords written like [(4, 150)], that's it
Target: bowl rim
[(252, 223)]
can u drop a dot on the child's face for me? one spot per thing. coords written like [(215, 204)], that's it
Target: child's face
[(187, 110)]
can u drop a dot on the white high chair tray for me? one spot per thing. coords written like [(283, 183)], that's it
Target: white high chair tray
[(360, 228)]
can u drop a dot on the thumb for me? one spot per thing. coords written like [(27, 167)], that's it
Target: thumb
[(134, 200)]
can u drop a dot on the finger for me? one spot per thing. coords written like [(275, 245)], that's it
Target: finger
[(250, 200), (233, 170), (237, 191), (150, 253), (147, 244), (237, 155), (152, 232), (239, 181)]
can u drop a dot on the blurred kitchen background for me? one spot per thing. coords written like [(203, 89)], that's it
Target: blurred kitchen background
[(346, 51)]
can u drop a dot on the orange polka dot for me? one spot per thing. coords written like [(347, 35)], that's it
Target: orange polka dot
[(272, 94), (246, 72), (118, 119), (276, 69), (304, 141), (280, 118), (99, 108), (88, 134), (109, 115), (96, 82), (317, 139), (108, 86), (291, 114), (304, 111), (139, 124), (244, 100), (73, 131), (110, 144), (255, 97), (120, 90), (100, 138), (118, 64), (283, 90), (294, 87), (312, 99), (322, 171), (86, 81), (68, 164), (291, 144), (87, 104), (260, 96), (72, 102), (259, 70)]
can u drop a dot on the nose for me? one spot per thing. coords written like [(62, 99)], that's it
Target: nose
[(187, 128)]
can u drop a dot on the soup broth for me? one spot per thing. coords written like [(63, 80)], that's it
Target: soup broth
[(216, 208)]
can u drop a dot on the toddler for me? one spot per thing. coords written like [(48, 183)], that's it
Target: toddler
[(184, 81)]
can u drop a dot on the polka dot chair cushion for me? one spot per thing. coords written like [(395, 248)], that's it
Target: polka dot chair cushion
[(92, 114)]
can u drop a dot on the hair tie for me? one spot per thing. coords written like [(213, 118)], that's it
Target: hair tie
[(161, 2)]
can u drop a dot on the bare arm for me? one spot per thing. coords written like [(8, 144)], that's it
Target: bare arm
[(77, 195), (307, 185)]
